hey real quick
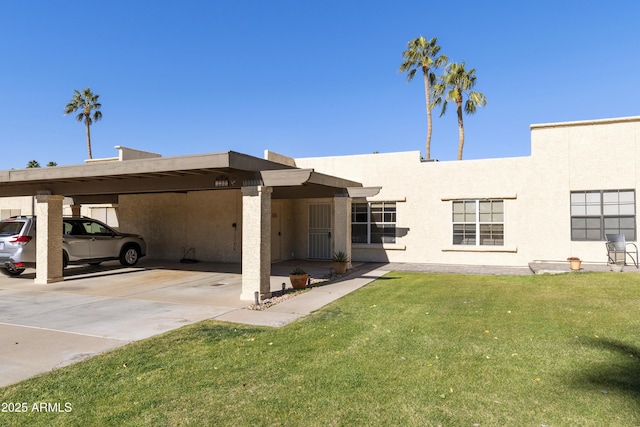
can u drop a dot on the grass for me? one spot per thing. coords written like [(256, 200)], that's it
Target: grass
[(409, 349)]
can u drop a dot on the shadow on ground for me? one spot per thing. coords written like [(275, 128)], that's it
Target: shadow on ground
[(619, 373)]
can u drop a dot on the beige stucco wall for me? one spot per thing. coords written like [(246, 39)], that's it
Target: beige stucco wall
[(200, 222), (26, 206), (12, 205), (594, 155), (423, 192), (590, 155)]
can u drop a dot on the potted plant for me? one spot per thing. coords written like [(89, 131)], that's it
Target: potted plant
[(575, 263), (340, 262), (617, 266), (298, 278)]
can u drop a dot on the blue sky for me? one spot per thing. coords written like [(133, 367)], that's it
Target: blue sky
[(303, 78)]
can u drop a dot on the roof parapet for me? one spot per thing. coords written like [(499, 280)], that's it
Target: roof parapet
[(125, 153), (279, 158)]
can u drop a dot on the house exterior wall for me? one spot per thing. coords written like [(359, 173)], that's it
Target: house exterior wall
[(578, 156), (423, 192), (594, 155), (565, 157), (13, 206), (196, 225), (201, 222)]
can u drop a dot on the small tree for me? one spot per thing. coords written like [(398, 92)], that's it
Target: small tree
[(458, 82), (86, 102), (50, 164), (33, 164)]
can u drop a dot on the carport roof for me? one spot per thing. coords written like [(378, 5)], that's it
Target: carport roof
[(225, 170)]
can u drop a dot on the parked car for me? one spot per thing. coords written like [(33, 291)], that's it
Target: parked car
[(84, 241)]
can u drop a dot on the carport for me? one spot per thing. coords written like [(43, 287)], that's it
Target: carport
[(137, 172)]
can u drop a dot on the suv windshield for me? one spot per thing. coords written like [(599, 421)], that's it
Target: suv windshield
[(9, 228)]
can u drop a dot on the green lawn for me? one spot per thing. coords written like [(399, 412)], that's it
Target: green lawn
[(407, 350)]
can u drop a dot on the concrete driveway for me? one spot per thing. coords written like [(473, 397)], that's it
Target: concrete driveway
[(99, 308), (95, 309)]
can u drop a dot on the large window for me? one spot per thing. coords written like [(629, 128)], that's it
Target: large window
[(599, 212), (478, 222), (373, 222)]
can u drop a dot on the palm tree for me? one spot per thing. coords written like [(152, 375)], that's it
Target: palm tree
[(459, 82), (86, 102), (422, 54), (33, 164)]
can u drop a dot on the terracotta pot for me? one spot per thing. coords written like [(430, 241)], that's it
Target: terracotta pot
[(340, 267), (575, 264), (298, 281)]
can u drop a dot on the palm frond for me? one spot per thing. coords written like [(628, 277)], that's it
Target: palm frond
[(444, 108), (478, 98)]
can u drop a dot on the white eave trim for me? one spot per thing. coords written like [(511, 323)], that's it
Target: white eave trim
[(476, 197)]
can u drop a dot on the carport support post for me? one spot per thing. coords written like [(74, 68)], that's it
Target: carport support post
[(75, 211), (256, 242), (342, 225), (48, 211)]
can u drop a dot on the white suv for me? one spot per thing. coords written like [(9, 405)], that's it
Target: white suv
[(84, 241)]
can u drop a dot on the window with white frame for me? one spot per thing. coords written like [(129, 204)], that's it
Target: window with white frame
[(373, 222), (596, 213), (478, 222)]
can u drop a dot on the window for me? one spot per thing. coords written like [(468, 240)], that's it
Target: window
[(373, 222), (599, 212), (478, 222), (96, 229)]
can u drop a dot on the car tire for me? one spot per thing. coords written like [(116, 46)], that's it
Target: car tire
[(13, 272), (65, 259), (129, 255)]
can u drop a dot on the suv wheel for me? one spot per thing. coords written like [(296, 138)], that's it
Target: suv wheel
[(129, 256), (12, 271)]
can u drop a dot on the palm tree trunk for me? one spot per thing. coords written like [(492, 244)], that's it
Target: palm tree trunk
[(89, 140), (427, 91), (460, 131)]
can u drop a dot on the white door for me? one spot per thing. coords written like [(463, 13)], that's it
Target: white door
[(320, 231)]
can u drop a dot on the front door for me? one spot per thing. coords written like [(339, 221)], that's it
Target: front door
[(320, 231)]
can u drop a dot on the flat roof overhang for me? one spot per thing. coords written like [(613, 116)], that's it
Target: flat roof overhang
[(100, 182)]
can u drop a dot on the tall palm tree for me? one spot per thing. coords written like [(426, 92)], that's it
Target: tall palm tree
[(86, 102), (459, 83), (423, 54)]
